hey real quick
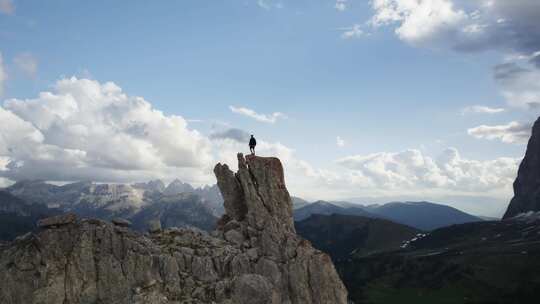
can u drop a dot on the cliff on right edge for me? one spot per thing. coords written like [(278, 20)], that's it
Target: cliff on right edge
[(527, 184)]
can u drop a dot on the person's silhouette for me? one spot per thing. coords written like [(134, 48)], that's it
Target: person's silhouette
[(252, 144)]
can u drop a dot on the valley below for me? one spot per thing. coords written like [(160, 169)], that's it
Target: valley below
[(483, 262)]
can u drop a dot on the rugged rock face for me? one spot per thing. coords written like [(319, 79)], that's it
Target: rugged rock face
[(527, 185), (253, 257)]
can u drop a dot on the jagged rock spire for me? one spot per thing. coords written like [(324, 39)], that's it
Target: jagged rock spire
[(256, 192)]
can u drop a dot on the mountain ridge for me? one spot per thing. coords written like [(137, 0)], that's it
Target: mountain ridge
[(421, 215)]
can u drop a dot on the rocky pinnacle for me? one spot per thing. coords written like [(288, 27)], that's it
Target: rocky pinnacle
[(254, 256)]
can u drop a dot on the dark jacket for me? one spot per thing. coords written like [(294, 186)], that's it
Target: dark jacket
[(252, 142)]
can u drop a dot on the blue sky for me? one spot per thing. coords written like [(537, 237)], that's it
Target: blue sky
[(383, 76)]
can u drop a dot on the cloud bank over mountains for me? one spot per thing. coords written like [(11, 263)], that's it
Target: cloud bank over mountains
[(86, 130), (412, 171)]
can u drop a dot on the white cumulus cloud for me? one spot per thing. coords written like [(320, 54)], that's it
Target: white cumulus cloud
[(411, 170), (512, 133), (340, 142), (86, 130), (419, 21), (267, 118)]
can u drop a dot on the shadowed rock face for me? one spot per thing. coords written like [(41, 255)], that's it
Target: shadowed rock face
[(253, 257), (527, 184)]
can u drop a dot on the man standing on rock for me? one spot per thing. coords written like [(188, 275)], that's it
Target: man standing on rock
[(252, 144)]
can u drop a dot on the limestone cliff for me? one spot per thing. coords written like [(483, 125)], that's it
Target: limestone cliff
[(527, 184), (253, 257)]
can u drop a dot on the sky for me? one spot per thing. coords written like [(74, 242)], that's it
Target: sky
[(367, 101)]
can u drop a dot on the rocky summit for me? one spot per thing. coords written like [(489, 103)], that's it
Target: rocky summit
[(527, 184), (254, 256)]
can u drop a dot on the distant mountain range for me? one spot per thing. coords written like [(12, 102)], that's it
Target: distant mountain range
[(421, 215), (113, 197), (327, 208), (177, 204), (180, 204)]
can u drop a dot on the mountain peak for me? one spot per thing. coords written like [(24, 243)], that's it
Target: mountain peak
[(527, 184), (177, 186), (156, 185)]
